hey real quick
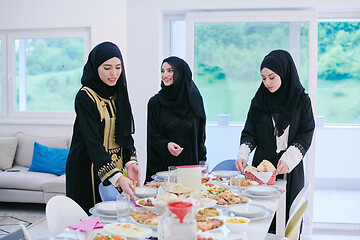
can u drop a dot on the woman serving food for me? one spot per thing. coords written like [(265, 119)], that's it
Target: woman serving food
[(280, 123)]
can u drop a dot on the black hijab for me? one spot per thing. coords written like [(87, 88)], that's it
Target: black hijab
[(124, 119), (282, 103), (183, 95)]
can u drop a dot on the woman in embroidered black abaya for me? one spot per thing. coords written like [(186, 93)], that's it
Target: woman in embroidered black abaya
[(280, 123), (102, 146), (176, 120)]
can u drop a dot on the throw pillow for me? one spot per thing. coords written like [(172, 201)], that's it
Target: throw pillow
[(7, 152), (48, 160), (25, 147)]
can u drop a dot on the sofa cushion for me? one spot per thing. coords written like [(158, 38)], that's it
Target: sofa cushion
[(48, 160), (24, 180), (7, 152), (25, 147), (55, 185)]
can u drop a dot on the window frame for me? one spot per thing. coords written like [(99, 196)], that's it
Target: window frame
[(3, 75), (9, 81)]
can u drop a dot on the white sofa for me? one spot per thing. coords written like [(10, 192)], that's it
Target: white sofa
[(17, 184)]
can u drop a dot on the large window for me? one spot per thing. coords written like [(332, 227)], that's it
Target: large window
[(43, 71), (48, 73), (338, 88), (227, 57)]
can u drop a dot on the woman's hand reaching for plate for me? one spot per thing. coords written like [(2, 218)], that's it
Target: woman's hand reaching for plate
[(240, 164), (127, 186), (133, 172)]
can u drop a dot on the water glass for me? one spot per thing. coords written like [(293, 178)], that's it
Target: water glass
[(235, 181), (172, 173), (123, 207), (204, 172)]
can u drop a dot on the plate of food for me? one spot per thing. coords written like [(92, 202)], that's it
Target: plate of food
[(207, 202), (228, 198), (146, 203), (101, 236), (224, 173), (143, 192), (145, 218), (208, 212), (213, 189), (155, 184), (207, 224), (128, 230)]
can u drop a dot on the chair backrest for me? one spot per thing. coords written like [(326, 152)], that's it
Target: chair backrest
[(108, 193), (62, 211), (225, 165), (299, 200), (292, 230)]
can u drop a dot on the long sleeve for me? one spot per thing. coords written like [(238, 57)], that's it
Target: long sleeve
[(155, 137), (201, 143), (298, 148), (248, 139)]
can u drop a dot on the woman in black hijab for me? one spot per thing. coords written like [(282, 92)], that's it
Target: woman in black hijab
[(102, 147), (280, 123), (176, 120)]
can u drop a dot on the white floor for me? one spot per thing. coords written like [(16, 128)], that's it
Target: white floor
[(348, 211)]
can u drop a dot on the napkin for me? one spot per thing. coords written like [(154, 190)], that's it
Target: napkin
[(88, 225), (261, 177)]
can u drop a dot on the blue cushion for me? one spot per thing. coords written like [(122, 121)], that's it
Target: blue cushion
[(49, 160)]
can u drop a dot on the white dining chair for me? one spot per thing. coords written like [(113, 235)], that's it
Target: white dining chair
[(62, 211), (292, 229)]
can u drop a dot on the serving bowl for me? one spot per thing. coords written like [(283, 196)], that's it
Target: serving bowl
[(237, 224)]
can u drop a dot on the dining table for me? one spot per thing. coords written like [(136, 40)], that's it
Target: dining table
[(256, 230)]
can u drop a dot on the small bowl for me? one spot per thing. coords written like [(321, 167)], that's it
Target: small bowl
[(107, 207), (238, 226), (143, 192)]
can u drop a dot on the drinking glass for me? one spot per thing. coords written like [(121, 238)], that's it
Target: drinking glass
[(172, 174), (204, 171), (235, 180), (123, 207)]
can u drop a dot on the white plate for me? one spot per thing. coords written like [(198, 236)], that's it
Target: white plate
[(247, 210), (224, 174), (143, 192), (146, 207), (228, 205), (143, 225), (250, 195), (107, 207), (116, 228), (266, 213), (96, 212), (262, 190)]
